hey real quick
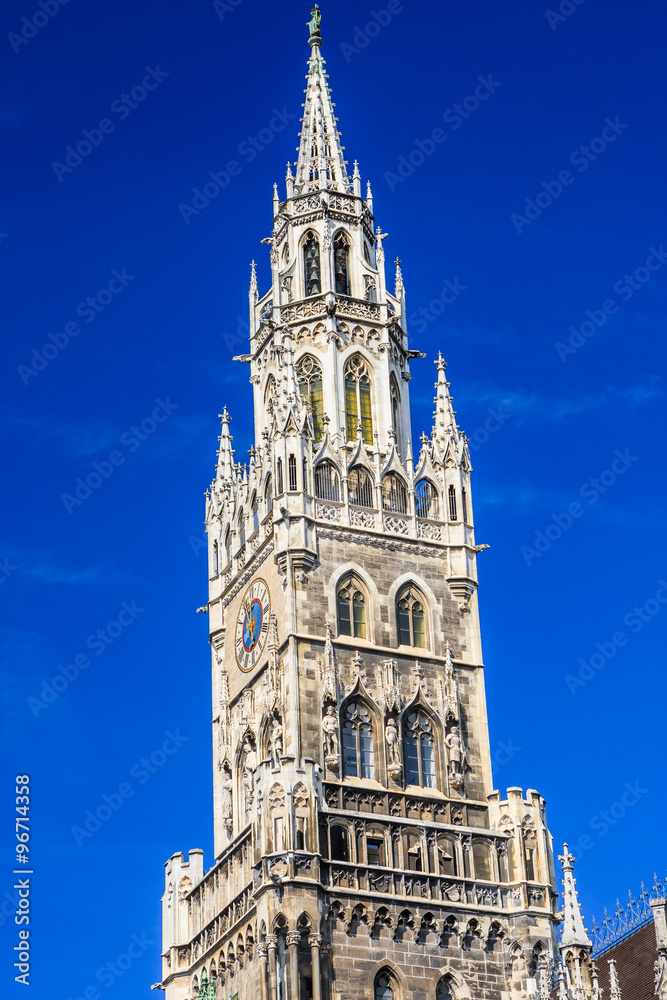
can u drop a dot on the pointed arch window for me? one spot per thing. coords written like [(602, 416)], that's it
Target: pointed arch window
[(444, 990), (358, 752), (327, 483), (311, 265), (342, 263), (451, 497), (268, 493), (270, 394), (216, 559), (358, 400), (464, 505), (309, 378), (426, 500), (360, 488), (228, 545), (419, 750), (279, 470), (384, 988), (241, 530), (411, 620), (351, 610), (394, 494)]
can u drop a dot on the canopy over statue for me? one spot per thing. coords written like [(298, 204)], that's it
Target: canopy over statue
[(315, 21)]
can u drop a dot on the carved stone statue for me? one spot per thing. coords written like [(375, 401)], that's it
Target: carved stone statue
[(330, 730), (454, 745), (391, 736), (276, 741), (227, 804), (248, 770)]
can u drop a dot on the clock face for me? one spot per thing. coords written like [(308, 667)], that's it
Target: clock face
[(252, 624)]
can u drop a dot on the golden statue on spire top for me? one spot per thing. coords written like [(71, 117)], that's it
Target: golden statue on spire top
[(315, 21)]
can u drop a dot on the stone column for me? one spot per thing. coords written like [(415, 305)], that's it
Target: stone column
[(293, 940), (263, 972), (315, 940), (272, 944)]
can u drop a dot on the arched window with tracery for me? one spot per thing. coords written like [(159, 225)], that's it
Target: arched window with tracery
[(360, 488), (419, 749), (394, 494), (342, 263), (411, 619), (358, 751), (384, 987), (351, 610), (451, 496), (327, 482), (311, 265), (309, 378), (358, 400), (426, 500)]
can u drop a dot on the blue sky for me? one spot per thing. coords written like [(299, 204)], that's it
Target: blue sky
[(541, 207)]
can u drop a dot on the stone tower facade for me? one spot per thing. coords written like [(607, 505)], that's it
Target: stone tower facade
[(360, 848)]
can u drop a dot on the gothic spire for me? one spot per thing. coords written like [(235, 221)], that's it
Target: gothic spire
[(444, 420), (225, 452), (321, 162), (573, 933), (614, 985)]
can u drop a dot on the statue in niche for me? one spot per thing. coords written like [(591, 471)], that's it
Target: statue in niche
[(330, 730), (248, 769), (227, 802), (276, 742), (454, 745), (393, 751)]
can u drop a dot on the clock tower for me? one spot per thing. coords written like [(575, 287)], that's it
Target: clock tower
[(360, 847)]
